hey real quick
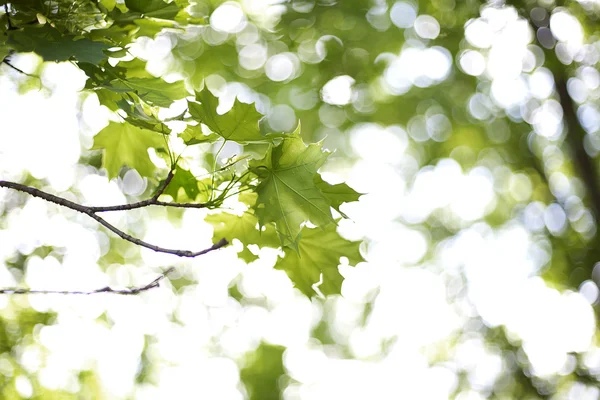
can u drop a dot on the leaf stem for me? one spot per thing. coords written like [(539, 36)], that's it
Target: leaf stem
[(212, 178)]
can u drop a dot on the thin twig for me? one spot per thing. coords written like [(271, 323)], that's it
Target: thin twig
[(153, 201), (162, 188), (106, 289), (91, 212), (144, 203), (5, 61), (10, 26)]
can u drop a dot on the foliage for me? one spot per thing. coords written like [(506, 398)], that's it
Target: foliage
[(318, 251), (240, 124), (287, 194), (264, 368), (127, 145), (275, 178)]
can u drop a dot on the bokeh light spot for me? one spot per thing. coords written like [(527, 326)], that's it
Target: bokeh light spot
[(427, 27), (403, 14), (338, 91), (228, 17)]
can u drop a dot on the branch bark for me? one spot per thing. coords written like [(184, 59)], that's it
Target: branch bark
[(153, 201), (106, 289), (575, 138), (92, 213)]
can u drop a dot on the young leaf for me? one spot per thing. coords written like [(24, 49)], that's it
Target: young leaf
[(262, 372), (194, 135), (137, 116), (183, 179), (152, 90), (4, 51), (108, 98), (287, 193), (153, 8), (245, 229), (51, 45), (125, 144), (108, 4), (135, 68), (151, 27), (337, 194), (319, 252), (239, 124)]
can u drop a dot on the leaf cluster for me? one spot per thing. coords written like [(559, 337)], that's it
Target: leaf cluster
[(282, 188)]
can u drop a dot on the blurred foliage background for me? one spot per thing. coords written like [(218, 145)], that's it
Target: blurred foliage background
[(473, 130)]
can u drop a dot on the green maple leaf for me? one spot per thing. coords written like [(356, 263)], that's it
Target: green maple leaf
[(108, 98), (125, 144), (245, 229), (319, 252), (262, 372), (151, 27), (337, 194), (51, 45), (108, 4), (153, 8), (194, 135), (287, 193), (239, 124), (4, 51), (135, 68), (182, 179), (152, 90), (140, 117)]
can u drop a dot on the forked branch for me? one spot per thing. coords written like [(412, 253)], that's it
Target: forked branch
[(153, 201), (92, 213)]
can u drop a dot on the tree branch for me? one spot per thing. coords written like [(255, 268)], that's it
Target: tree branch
[(575, 137), (106, 289), (146, 203), (91, 212), (5, 61), (153, 201), (10, 26)]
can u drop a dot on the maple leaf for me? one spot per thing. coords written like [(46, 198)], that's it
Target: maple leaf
[(182, 178), (287, 193), (245, 229), (153, 8), (262, 372), (319, 252), (193, 135), (239, 124), (51, 45), (152, 90), (337, 194), (125, 144)]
